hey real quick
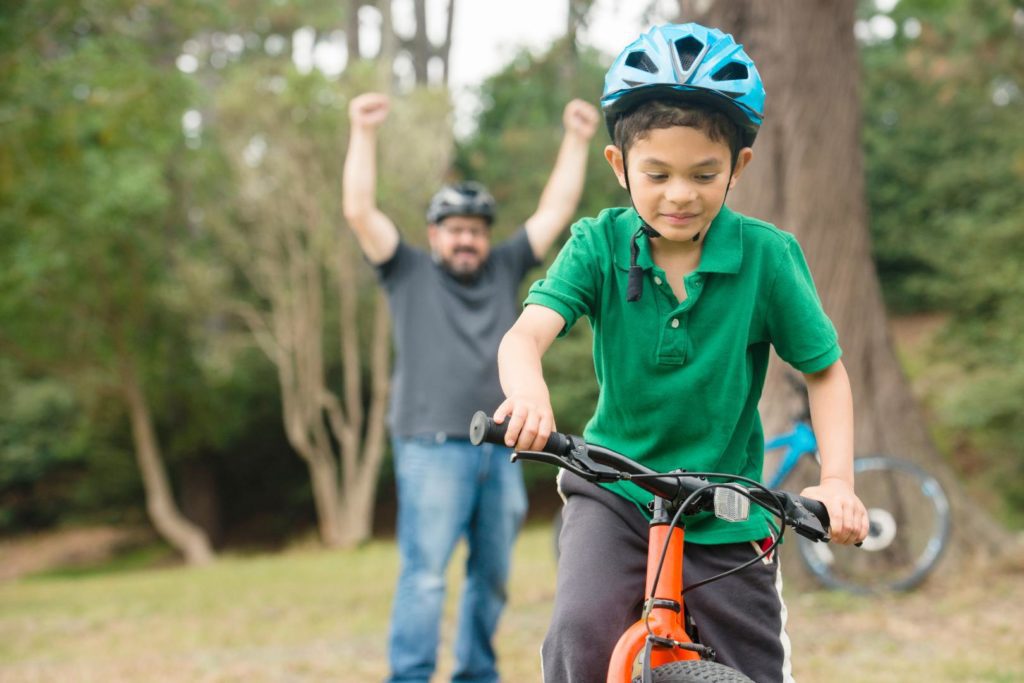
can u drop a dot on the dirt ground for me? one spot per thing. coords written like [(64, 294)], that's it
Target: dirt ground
[(63, 548)]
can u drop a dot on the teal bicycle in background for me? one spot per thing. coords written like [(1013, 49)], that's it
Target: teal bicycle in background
[(908, 512)]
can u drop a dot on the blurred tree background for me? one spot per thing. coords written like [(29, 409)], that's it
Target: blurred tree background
[(147, 148), (944, 145)]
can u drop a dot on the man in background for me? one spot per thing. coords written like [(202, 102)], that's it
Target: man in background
[(450, 307)]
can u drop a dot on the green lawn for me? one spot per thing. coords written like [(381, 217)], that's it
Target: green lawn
[(322, 616)]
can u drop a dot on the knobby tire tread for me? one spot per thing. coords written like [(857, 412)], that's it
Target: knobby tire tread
[(696, 671)]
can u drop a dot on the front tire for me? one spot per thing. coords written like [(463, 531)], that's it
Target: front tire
[(696, 671)]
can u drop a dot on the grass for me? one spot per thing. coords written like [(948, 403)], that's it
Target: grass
[(310, 615)]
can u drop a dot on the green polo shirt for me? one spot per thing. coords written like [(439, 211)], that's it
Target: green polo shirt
[(680, 382)]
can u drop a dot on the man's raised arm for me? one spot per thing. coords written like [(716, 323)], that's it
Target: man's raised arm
[(562, 192), (376, 233)]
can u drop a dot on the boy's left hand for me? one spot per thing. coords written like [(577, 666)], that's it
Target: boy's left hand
[(847, 514)]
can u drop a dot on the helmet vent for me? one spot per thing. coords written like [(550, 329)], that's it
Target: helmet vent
[(731, 72), (688, 49), (640, 60)]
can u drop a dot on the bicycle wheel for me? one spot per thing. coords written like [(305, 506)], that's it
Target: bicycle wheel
[(910, 522), (696, 671)]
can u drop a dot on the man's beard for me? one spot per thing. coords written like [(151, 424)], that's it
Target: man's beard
[(463, 273)]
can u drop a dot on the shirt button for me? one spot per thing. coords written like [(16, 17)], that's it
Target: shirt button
[(657, 280), (675, 322)]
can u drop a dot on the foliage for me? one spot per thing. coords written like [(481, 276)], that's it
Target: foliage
[(114, 167), (94, 168), (38, 442), (945, 157), (518, 130), (943, 145)]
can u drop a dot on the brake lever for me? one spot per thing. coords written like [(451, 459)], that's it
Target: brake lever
[(547, 458), (582, 467)]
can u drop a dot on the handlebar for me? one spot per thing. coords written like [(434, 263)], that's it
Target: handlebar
[(597, 464), (483, 429)]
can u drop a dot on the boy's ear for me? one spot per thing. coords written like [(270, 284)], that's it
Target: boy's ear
[(614, 156), (742, 159)]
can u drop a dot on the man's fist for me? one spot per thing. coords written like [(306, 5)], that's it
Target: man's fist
[(581, 118), (369, 109)]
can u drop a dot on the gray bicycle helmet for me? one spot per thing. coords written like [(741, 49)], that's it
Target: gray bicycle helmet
[(467, 198)]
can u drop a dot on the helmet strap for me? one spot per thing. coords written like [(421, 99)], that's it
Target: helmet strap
[(635, 283)]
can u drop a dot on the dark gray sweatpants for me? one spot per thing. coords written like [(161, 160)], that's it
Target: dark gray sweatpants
[(602, 569)]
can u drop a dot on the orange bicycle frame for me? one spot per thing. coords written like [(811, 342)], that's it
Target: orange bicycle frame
[(664, 615)]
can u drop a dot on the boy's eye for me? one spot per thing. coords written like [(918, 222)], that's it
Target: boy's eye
[(706, 177), (656, 176)]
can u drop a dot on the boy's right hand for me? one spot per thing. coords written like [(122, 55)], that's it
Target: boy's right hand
[(530, 422), (369, 110)]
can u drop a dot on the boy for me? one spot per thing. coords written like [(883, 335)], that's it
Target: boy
[(685, 298)]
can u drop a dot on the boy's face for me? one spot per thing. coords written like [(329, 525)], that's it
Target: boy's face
[(679, 178)]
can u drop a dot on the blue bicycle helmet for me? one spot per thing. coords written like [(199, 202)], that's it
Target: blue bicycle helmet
[(688, 63)]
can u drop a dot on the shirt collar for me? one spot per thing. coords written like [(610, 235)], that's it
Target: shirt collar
[(723, 245)]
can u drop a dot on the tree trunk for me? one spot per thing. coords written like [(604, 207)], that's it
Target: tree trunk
[(200, 498), (808, 178), (182, 534), (421, 43), (323, 473), (576, 18), (388, 48), (362, 473), (445, 49), (352, 42)]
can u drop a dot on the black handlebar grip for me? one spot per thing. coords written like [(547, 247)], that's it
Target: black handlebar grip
[(483, 429), (816, 508)]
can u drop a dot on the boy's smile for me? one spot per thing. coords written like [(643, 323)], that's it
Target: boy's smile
[(678, 178)]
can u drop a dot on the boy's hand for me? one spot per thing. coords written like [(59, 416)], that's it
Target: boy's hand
[(848, 519), (530, 422), (369, 110), (581, 118)]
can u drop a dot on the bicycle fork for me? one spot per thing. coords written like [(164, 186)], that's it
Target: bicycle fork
[(664, 613)]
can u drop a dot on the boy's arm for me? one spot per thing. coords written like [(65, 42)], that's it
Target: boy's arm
[(377, 235), (565, 185), (528, 404), (832, 414)]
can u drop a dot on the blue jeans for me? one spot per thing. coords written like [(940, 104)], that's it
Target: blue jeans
[(447, 491)]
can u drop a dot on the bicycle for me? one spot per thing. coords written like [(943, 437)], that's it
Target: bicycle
[(658, 647), (908, 513)]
